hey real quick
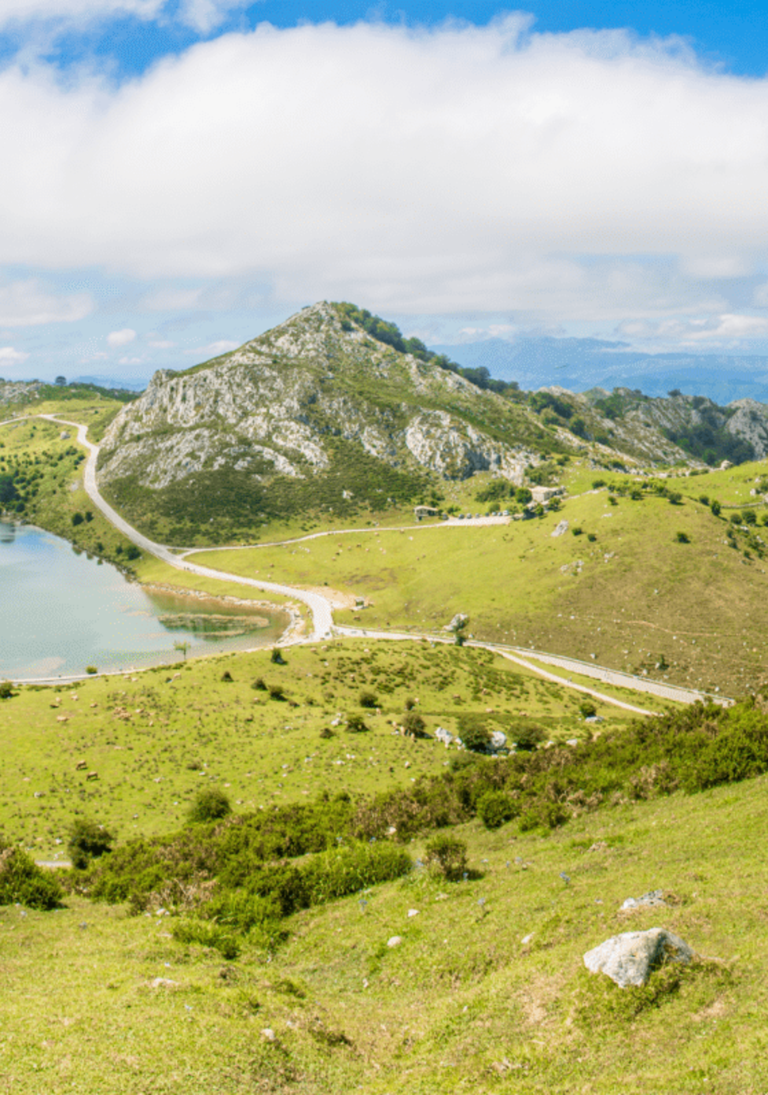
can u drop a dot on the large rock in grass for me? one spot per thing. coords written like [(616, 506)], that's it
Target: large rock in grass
[(630, 958)]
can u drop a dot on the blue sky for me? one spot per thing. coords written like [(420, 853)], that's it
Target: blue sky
[(181, 174)]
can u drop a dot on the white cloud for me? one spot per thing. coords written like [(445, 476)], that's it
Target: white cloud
[(130, 361), (121, 338), (10, 356), (28, 304), (727, 329), (162, 344), (213, 349), (458, 169), (202, 15)]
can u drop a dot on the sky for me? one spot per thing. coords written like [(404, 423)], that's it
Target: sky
[(180, 175)]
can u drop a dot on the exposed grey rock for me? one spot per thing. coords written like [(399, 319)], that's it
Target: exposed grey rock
[(561, 529), (629, 958), (394, 941), (164, 983), (498, 741), (443, 735), (648, 900), (457, 623)]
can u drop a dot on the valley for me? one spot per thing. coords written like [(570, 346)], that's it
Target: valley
[(308, 936)]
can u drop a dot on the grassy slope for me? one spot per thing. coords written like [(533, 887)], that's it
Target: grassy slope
[(462, 1003), (151, 738), (638, 595)]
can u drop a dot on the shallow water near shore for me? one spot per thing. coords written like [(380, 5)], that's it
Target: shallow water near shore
[(61, 611)]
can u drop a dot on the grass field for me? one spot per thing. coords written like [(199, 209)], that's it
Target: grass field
[(486, 992), (154, 737), (632, 597)]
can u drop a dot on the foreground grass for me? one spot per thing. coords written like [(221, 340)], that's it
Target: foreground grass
[(153, 738), (461, 1003)]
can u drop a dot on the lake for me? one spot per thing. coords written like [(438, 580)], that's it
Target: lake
[(61, 611)]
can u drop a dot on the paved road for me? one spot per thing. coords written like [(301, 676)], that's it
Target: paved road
[(322, 613)]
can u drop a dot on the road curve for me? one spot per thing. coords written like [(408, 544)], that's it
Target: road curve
[(322, 613)]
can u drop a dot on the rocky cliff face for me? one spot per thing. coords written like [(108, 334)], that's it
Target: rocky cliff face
[(274, 407)]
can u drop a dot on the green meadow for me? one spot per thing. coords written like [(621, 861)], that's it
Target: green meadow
[(154, 738), (623, 592)]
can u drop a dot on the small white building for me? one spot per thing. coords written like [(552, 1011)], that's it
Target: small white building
[(543, 494)]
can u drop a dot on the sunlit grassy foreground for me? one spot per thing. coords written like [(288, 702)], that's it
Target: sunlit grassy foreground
[(462, 1003)]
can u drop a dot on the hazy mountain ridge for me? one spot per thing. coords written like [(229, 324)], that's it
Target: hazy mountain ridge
[(582, 363)]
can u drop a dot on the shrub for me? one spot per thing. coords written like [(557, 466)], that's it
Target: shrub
[(675, 498), (577, 530), (715, 508), (591, 537), (77, 518), (276, 692), (132, 552), (528, 736), (587, 709), (327, 733), (91, 669), (226, 675), (474, 736), (410, 703), (342, 871), (613, 500), (356, 723), (210, 804), (6, 690), (414, 725), (682, 538), (277, 657), (259, 685), (749, 517), (368, 699), (494, 808), (704, 499), (447, 856), (88, 840), (23, 882)]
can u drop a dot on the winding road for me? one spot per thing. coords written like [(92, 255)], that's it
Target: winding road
[(322, 625)]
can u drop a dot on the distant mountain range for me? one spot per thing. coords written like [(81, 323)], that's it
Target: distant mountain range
[(583, 363)]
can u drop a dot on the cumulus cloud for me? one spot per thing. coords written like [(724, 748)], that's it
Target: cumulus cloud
[(10, 356), (121, 338), (29, 304), (456, 169)]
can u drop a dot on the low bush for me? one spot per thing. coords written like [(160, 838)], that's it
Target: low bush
[(495, 807), (447, 856), (414, 725), (368, 699), (6, 690), (88, 840), (356, 723), (210, 804), (23, 882)]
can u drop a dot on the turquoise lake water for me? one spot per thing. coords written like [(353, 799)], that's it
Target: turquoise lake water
[(61, 611)]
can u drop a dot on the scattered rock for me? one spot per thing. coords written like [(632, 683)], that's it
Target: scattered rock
[(647, 901), (527, 939), (629, 958), (164, 983), (268, 1034), (395, 941), (413, 912), (561, 529), (443, 735)]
